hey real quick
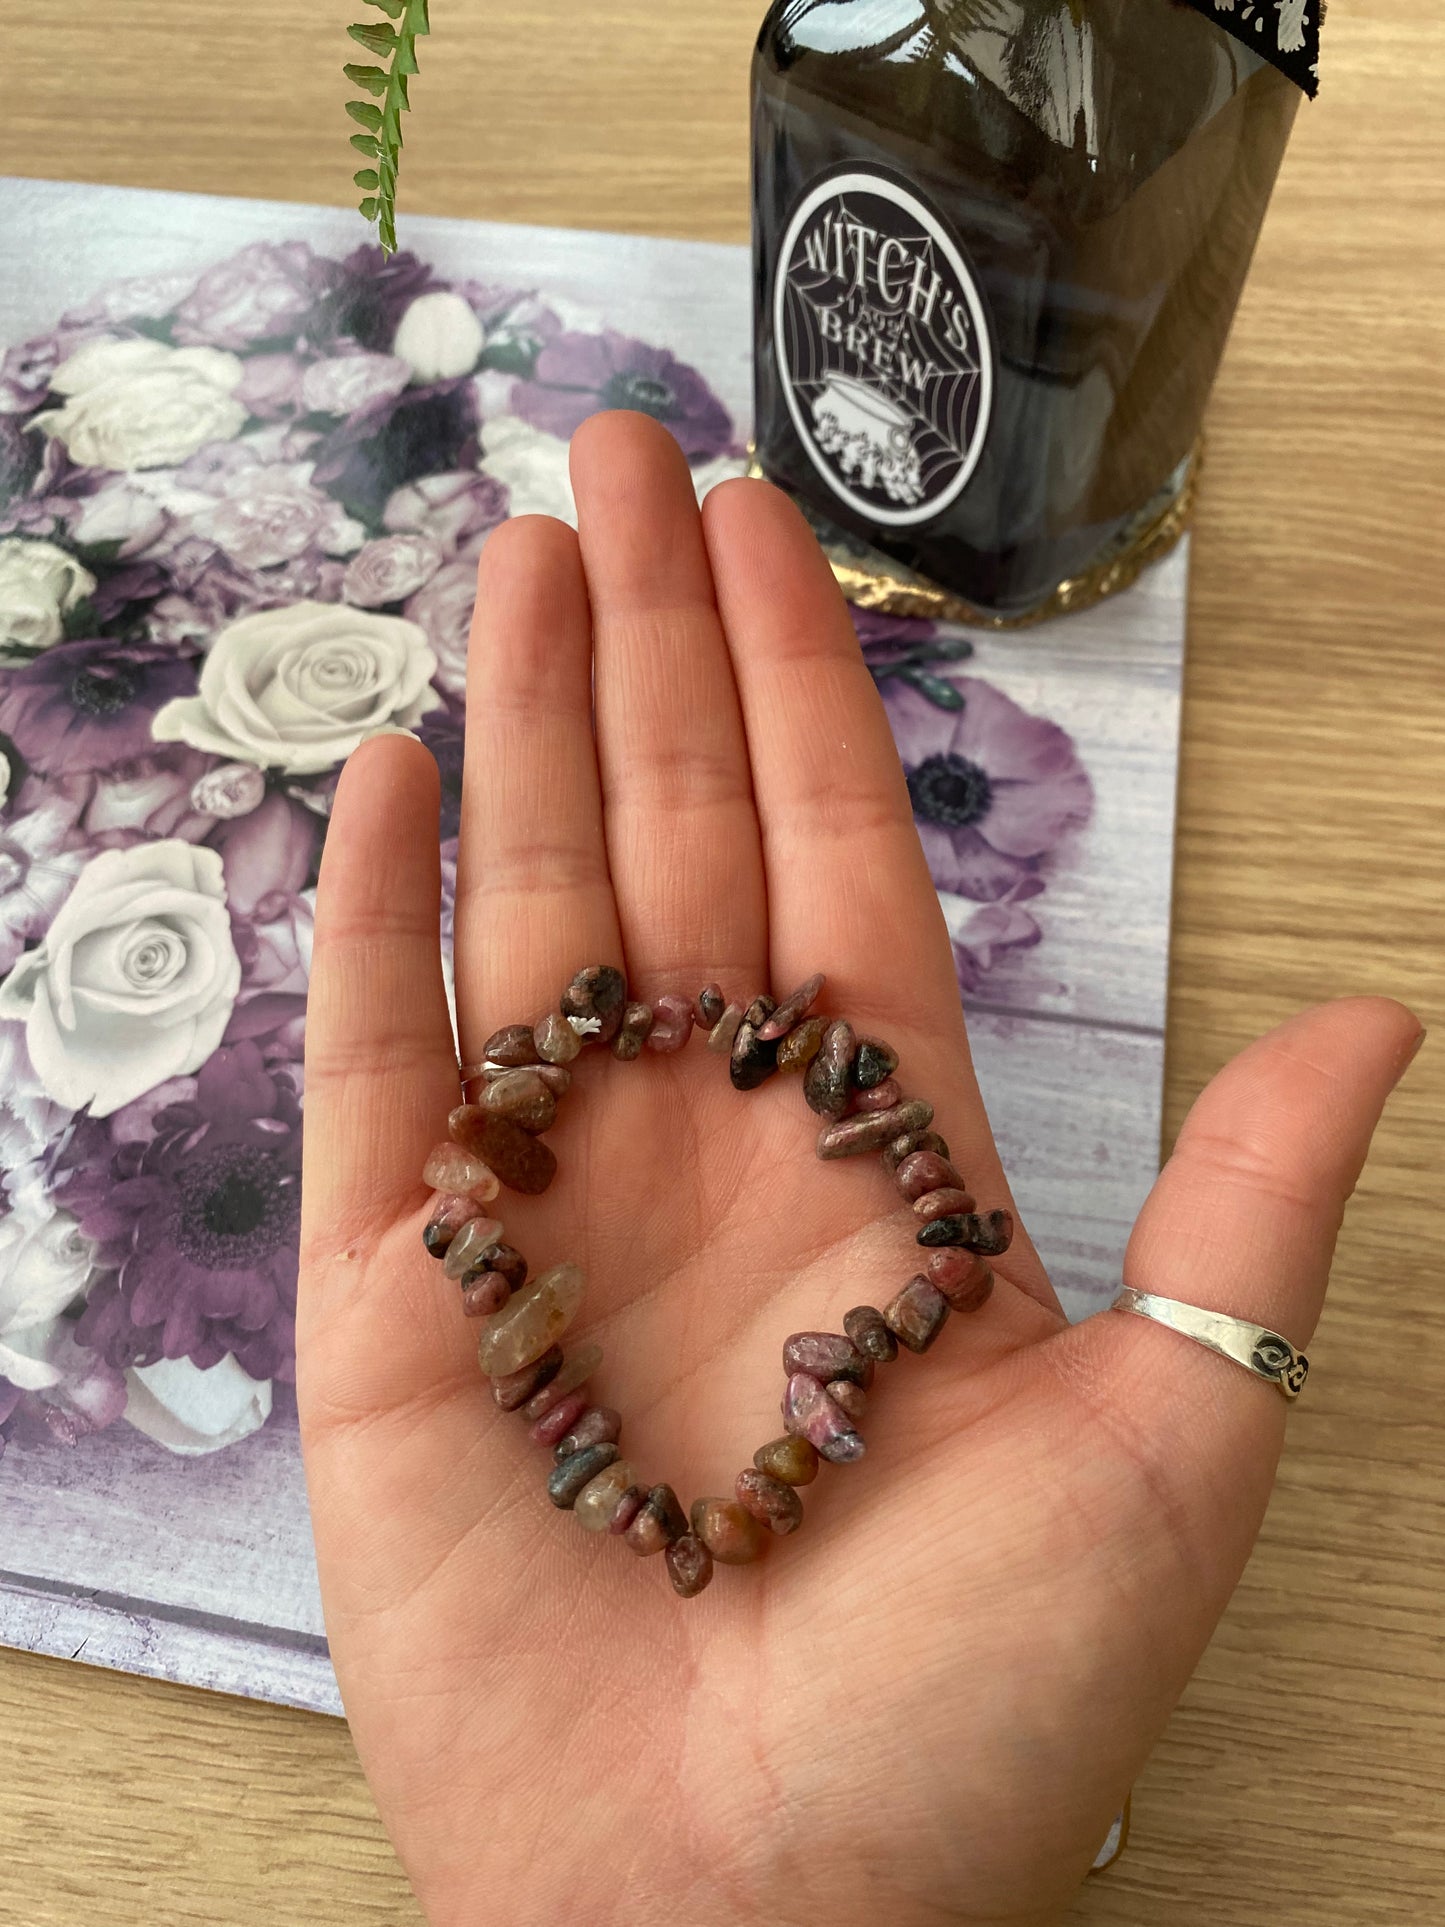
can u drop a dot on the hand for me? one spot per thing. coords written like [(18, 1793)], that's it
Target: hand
[(927, 1704)]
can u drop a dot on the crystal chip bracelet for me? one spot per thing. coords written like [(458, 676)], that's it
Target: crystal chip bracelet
[(847, 1080)]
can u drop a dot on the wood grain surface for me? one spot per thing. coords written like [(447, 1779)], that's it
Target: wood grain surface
[(1301, 1781)]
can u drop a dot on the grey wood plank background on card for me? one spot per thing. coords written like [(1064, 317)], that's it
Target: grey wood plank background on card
[(201, 1569)]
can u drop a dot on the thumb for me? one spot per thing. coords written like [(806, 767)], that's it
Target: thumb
[(1242, 1220)]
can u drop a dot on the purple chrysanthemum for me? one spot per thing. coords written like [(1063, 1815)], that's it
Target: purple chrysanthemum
[(195, 1227), (578, 374), (993, 788), (89, 705)]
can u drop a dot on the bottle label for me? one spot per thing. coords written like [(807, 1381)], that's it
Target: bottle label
[(1286, 32), (883, 346)]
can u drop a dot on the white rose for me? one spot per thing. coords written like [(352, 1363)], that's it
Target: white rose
[(299, 688), (190, 1411), (44, 1264), (39, 585), (439, 337), (140, 404), (533, 464), (135, 981)]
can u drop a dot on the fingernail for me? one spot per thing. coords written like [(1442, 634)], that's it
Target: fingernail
[(1411, 1054)]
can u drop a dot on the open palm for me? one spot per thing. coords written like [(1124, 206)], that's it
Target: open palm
[(926, 1704)]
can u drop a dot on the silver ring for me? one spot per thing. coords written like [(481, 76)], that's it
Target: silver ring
[(1255, 1347)]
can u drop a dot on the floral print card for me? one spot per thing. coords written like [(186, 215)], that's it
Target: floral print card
[(246, 470)]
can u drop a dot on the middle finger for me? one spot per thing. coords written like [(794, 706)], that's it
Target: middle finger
[(682, 833)]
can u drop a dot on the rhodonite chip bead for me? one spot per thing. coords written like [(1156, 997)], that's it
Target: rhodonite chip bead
[(790, 1460), (812, 1415), (658, 1521), (988, 1232), (448, 1216), (689, 1565), (451, 1169), (916, 1316), (574, 1474), (826, 1080), (752, 1061), (825, 1356), (729, 1531), (535, 1318), (868, 1329), (521, 1161), (633, 1034), (770, 1501), (495, 1142)]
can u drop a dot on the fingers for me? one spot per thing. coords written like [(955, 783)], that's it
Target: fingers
[(380, 1062), (848, 887), (682, 836), (1243, 1220), (534, 898)]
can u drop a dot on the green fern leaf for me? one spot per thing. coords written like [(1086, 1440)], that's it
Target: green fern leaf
[(375, 39), (371, 80), (389, 84)]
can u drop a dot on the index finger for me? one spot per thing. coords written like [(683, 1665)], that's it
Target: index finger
[(848, 885)]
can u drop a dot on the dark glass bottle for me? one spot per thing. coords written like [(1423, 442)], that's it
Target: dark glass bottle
[(998, 246)]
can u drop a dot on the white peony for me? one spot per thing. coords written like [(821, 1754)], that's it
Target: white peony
[(140, 404), (439, 337), (45, 1261), (135, 980), (191, 1411), (533, 464), (39, 585), (298, 688)]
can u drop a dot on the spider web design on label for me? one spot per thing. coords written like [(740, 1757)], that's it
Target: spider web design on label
[(883, 347)]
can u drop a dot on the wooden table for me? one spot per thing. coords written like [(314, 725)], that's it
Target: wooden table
[(1301, 1782)]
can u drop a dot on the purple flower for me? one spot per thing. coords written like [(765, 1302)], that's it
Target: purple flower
[(910, 649), (342, 384), (422, 432), (390, 569), (89, 705), (443, 730), (367, 296), (39, 862), (197, 1224), (20, 453), (578, 374), (993, 787), (444, 610), (88, 1394), (261, 293), (992, 929), (458, 510), (270, 386), (267, 855), (270, 513)]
